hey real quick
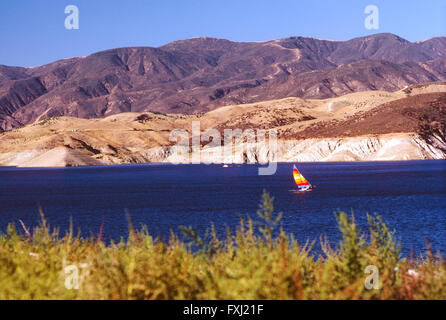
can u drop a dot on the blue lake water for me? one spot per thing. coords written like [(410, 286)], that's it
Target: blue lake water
[(410, 196)]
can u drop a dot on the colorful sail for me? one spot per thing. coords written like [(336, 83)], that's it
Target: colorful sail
[(300, 179)]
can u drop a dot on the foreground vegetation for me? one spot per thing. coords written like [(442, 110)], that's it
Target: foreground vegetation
[(259, 261)]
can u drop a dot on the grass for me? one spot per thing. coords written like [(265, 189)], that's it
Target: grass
[(158, 112), (258, 261), (47, 121)]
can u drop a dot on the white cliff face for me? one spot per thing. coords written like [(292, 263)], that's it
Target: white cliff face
[(365, 148), (401, 146), (377, 148)]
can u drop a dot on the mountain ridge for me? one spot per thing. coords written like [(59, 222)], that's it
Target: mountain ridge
[(200, 74)]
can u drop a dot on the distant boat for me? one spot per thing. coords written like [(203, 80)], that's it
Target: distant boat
[(302, 183), (225, 166)]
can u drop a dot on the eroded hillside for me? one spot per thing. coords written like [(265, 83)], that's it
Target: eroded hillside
[(200, 74), (374, 125)]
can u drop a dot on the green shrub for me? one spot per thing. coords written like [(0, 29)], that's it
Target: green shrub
[(258, 261)]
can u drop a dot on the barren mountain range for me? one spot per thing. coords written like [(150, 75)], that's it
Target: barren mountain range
[(406, 124), (200, 74)]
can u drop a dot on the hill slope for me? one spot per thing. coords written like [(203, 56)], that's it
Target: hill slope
[(201, 74), (373, 125)]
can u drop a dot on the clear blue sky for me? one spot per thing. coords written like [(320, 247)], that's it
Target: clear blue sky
[(32, 32)]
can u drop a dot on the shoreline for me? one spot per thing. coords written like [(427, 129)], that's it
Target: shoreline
[(5, 168)]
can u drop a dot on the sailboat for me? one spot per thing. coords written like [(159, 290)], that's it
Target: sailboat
[(302, 183)]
